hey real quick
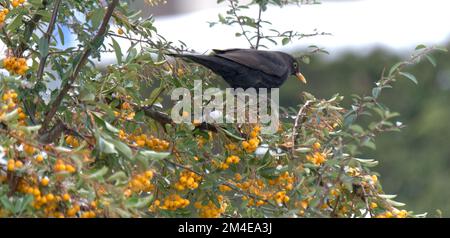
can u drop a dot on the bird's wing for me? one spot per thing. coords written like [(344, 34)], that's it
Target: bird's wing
[(268, 62)]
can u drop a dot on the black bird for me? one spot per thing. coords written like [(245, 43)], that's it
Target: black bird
[(249, 68)]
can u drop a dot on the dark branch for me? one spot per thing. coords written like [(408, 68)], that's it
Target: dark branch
[(83, 59), (47, 35)]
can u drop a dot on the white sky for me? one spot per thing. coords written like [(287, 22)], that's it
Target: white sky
[(397, 24)]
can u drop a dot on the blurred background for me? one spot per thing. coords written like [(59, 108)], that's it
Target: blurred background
[(367, 35)]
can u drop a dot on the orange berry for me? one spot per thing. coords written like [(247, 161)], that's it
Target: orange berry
[(39, 158), (50, 197), (15, 3), (45, 181), (10, 167), (316, 146), (66, 197), (70, 168), (18, 164)]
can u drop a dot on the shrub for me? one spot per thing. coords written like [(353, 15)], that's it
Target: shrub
[(102, 145)]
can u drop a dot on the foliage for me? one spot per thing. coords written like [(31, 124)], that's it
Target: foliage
[(413, 163), (100, 146)]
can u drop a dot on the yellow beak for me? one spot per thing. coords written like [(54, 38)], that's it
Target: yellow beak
[(301, 77)]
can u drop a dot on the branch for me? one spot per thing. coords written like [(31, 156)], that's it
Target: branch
[(83, 59), (244, 33), (165, 119), (47, 35), (300, 115), (258, 28)]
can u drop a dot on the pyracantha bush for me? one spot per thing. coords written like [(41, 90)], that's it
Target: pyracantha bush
[(102, 145)]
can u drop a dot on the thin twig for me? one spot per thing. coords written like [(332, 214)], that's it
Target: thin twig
[(300, 115), (83, 59), (244, 32), (258, 28), (48, 35)]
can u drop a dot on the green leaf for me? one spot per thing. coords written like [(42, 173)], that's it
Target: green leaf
[(96, 17), (105, 124), (43, 47), (419, 47), (410, 77), (431, 60), (117, 50), (6, 203), (61, 34), (376, 92), (106, 147), (15, 23), (387, 196), (394, 68), (22, 204), (123, 148), (285, 41), (395, 203), (152, 155), (98, 174), (231, 134), (86, 95), (369, 144), (135, 202), (357, 128), (118, 176), (10, 116)]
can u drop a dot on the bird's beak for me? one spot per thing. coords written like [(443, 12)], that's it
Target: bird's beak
[(301, 77)]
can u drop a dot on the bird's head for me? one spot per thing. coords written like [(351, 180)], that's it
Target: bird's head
[(295, 69)]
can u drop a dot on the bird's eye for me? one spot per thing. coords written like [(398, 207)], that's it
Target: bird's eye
[(295, 65)]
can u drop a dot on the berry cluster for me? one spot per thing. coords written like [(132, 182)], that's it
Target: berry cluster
[(281, 197), (61, 166), (143, 140), (233, 159), (9, 104), (285, 180), (140, 183), (14, 164), (224, 188), (174, 202), (3, 14), (188, 180), (395, 213), (126, 112), (16, 65), (317, 157), (72, 141), (256, 188), (252, 143), (16, 3), (210, 210)]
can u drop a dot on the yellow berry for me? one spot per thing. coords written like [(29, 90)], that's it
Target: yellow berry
[(66, 197), (50, 197), (45, 181), (70, 168), (15, 3), (316, 146), (18, 164), (39, 158), (10, 167)]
